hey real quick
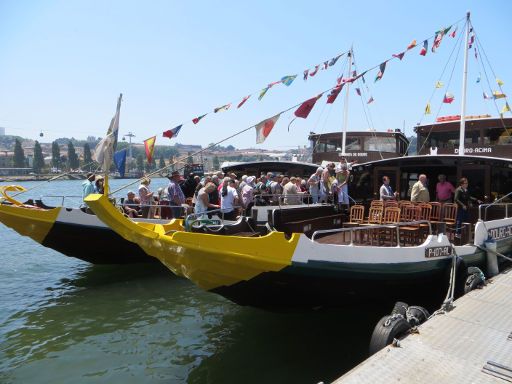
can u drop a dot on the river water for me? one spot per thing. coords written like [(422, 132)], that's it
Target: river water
[(66, 321)]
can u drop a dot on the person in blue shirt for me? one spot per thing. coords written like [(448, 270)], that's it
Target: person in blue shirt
[(88, 186)]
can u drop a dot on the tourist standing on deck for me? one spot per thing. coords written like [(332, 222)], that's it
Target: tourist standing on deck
[(248, 194), (88, 185), (342, 176), (385, 191), (444, 190), (175, 194), (420, 193), (315, 185), (146, 196), (463, 200), (229, 199), (203, 201)]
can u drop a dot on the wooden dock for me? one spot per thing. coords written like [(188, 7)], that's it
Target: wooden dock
[(470, 344)]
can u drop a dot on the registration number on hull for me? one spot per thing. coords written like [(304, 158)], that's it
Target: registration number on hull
[(445, 250)]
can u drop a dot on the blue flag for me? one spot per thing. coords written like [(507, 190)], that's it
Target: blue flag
[(120, 161)]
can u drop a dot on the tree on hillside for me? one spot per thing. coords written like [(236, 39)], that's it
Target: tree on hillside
[(19, 155), (38, 163), (73, 162), (161, 163), (55, 155), (216, 162), (87, 156)]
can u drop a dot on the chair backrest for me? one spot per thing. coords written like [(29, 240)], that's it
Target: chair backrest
[(375, 215), (356, 213), (377, 203), (391, 215), (402, 203), (410, 212), (435, 214), (390, 203), (425, 211), (450, 212)]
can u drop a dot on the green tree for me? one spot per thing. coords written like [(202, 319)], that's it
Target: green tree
[(190, 160), (55, 155), (38, 164), (19, 155), (161, 164), (87, 155), (73, 162), (140, 162), (216, 162)]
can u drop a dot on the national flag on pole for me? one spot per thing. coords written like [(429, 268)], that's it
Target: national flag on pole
[(264, 128), (105, 149), (500, 82), (223, 108), (172, 132), (439, 84), (314, 71), (243, 101), (120, 161), (424, 49), (448, 98), (411, 45), (334, 93), (382, 68), (288, 80), (197, 119), (149, 146), (505, 108), (306, 107), (427, 109)]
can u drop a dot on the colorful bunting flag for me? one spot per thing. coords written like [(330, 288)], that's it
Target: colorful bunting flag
[(306, 107), (334, 60), (264, 128), (326, 64), (288, 80), (382, 68), (505, 108), (476, 54), (149, 146), (306, 73), (487, 97), (437, 40), (334, 93), (358, 91), (471, 41), (498, 95), (448, 98), (263, 92), (173, 132), (314, 71), (399, 55), (439, 84), (454, 32), (500, 82), (424, 50), (197, 119), (370, 100), (243, 101), (223, 108), (478, 78), (412, 45), (427, 109)]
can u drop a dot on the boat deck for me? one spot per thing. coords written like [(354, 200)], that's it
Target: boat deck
[(470, 344)]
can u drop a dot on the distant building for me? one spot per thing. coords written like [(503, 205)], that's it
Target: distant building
[(2, 131)]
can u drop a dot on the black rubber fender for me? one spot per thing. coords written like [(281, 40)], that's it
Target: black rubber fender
[(388, 328), (473, 281), (416, 315), (400, 308)]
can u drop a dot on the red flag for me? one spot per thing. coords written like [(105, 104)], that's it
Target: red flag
[(314, 71), (334, 94), (454, 32), (243, 101), (424, 50), (172, 132), (306, 107), (197, 119), (448, 98), (149, 146), (399, 55)]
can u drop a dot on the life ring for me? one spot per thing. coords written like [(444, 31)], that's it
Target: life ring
[(387, 329), (416, 315)]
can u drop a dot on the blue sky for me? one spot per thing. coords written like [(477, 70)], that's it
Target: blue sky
[(63, 64)]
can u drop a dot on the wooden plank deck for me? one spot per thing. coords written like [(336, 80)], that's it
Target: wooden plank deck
[(470, 344)]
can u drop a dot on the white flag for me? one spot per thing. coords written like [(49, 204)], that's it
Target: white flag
[(104, 151), (263, 129)]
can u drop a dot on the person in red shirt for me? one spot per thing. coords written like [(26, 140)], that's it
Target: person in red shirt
[(444, 190)]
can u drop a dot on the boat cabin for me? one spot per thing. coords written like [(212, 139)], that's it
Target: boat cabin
[(362, 146), (484, 136), (256, 168)]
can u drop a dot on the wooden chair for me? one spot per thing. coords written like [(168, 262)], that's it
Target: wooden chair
[(374, 218), (449, 217), (425, 214), (377, 203), (435, 215), (356, 217), (410, 234), (391, 216), (390, 203), (402, 203)]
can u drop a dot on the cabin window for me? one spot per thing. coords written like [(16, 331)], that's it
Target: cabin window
[(382, 144), (353, 144), (497, 136)]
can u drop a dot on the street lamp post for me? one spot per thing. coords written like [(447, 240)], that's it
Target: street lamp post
[(129, 135)]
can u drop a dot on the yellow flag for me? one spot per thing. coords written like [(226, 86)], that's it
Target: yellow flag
[(427, 109), (499, 82), (439, 84), (498, 95), (506, 108)]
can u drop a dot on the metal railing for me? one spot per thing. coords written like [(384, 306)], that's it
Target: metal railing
[(496, 203)]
